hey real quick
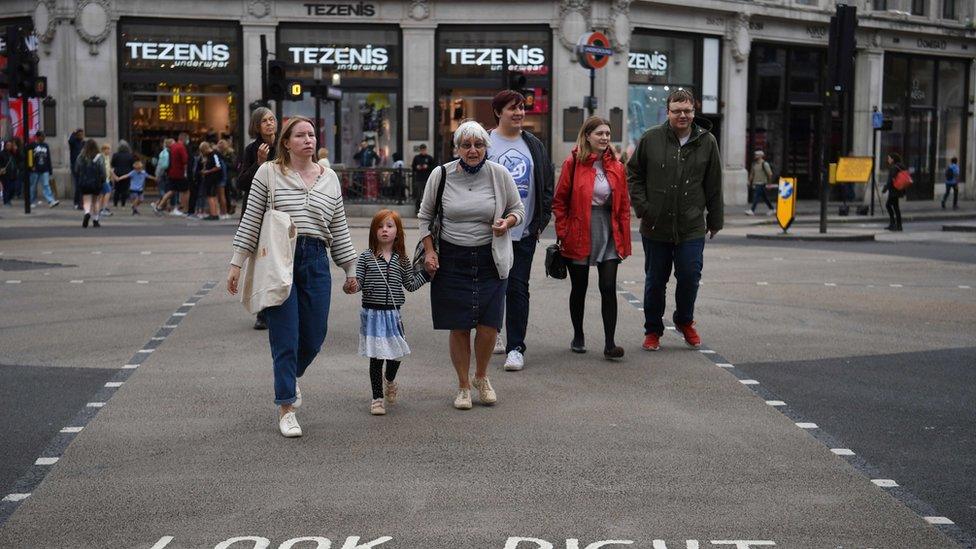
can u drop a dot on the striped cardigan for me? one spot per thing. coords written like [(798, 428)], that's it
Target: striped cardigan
[(373, 272), (317, 212)]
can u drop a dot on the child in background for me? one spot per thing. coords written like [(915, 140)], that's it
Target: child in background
[(383, 271), (137, 184)]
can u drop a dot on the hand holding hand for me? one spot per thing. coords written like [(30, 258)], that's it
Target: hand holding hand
[(431, 264), (233, 277), (351, 285), (500, 227), (263, 151)]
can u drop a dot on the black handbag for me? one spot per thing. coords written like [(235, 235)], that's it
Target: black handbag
[(555, 262), (420, 253)]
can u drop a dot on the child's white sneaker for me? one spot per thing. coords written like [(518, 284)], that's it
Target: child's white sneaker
[(485, 393), (463, 399), (377, 408), (390, 391)]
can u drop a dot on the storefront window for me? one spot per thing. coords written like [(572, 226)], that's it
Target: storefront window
[(367, 59), (473, 64), (178, 76)]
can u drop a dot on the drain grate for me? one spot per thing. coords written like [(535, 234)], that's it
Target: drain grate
[(22, 265)]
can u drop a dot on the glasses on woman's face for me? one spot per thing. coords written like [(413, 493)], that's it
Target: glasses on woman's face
[(469, 145)]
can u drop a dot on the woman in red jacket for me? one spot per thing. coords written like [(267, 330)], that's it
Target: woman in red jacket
[(592, 210)]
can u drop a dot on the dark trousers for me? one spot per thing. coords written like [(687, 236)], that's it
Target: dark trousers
[(121, 193), (954, 189), (74, 183), (11, 190), (659, 257), (297, 327), (894, 211), (517, 296), (759, 194)]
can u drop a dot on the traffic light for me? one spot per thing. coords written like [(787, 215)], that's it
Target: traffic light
[(277, 80), (294, 91), (21, 74), (841, 48), (27, 76)]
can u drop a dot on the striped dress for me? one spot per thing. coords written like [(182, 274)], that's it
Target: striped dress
[(317, 212), (381, 332)]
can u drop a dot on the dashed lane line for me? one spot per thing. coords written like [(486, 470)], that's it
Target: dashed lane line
[(50, 456)]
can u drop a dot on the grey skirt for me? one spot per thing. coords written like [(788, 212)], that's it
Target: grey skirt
[(602, 246)]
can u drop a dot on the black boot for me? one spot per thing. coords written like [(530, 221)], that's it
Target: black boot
[(84, 222)]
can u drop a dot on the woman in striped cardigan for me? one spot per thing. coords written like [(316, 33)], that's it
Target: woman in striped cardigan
[(310, 194)]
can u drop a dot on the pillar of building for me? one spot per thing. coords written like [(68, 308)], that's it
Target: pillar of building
[(418, 82), (735, 83), (868, 74)]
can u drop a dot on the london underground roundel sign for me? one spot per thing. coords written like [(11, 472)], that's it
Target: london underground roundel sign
[(594, 50)]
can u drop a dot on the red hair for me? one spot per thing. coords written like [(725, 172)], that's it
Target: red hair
[(503, 98), (398, 242)]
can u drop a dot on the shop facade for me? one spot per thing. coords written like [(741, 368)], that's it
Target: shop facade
[(411, 71)]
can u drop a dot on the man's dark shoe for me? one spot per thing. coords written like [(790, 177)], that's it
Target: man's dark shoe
[(652, 342), (613, 352), (691, 335), (259, 324)]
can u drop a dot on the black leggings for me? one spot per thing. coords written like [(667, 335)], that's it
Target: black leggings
[(376, 374), (579, 277), (894, 211)]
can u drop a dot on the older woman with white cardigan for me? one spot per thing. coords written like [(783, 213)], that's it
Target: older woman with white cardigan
[(470, 266)]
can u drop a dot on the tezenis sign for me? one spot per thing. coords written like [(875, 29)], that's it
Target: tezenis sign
[(206, 56), (342, 58), (336, 8)]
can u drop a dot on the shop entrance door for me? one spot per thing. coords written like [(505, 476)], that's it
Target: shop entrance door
[(918, 152), (801, 150)]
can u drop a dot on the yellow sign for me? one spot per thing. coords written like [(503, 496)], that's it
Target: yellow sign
[(854, 169), (832, 173), (786, 202)]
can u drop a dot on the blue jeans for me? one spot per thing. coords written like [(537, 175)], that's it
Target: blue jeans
[(517, 296), (759, 195), (659, 257), (297, 327), (45, 180)]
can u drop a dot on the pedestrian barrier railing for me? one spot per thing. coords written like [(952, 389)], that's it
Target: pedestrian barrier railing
[(376, 185)]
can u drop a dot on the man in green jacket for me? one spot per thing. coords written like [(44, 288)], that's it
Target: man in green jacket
[(675, 183)]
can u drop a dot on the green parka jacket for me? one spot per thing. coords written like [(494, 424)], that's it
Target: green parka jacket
[(673, 186)]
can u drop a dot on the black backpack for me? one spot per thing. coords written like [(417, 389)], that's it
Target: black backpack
[(91, 175)]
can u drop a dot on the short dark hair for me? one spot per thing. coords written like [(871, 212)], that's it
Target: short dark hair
[(422, 146), (955, 160), (503, 98), (680, 95)]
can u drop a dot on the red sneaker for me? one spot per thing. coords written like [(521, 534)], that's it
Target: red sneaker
[(652, 342), (691, 336)]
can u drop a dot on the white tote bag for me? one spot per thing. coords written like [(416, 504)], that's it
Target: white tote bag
[(268, 272)]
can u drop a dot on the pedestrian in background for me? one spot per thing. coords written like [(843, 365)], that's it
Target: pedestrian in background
[(10, 171), (421, 166), (383, 271), (122, 162), (162, 181), (90, 171), (105, 161), (263, 129), (39, 165), (311, 195), (760, 175), (206, 176), (177, 174), (891, 204), (225, 191), (592, 211), (76, 141), (952, 183), (480, 204), (323, 160), (135, 180), (398, 185), (675, 181), (528, 162)]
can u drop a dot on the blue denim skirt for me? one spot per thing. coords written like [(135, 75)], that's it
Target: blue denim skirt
[(466, 291)]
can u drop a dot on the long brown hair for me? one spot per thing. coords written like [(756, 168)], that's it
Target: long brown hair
[(582, 144), (254, 128), (283, 158), (398, 243)]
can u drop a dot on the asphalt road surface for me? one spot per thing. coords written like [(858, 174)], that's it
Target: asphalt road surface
[(137, 408)]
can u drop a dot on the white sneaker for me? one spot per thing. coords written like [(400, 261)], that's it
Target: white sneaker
[(463, 399), (771, 212), (177, 212), (499, 345), (377, 408), (750, 212), (485, 393), (298, 397), (288, 425), (514, 362)]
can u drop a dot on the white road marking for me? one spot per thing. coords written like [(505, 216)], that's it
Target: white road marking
[(77, 281), (130, 366), (623, 291), (13, 282), (829, 284), (157, 338), (46, 253), (163, 542), (640, 309), (670, 328), (777, 259), (802, 425), (748, 382), (884, 482), (97, 252), (142, 282), (895, 286), (964, 287), (113, 384), (775, 403), (179, 314), (146, 253), (938, 520), (725, 365), (762, 283), (72, 429), (145, 351), (707, 352), (15, 497), (842, 451), (170, 326), (46, 461), (95, 404)]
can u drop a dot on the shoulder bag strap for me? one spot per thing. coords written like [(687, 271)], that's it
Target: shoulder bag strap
[(272, 175), (386, 279), (439, 202)]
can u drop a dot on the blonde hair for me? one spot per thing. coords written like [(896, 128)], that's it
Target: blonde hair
[(582, 140), (283, 158)]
